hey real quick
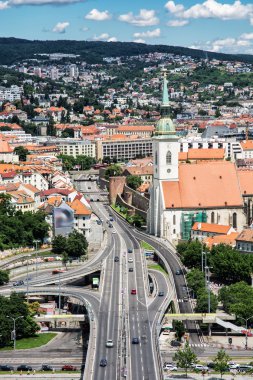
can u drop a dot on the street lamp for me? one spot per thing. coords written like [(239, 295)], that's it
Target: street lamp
[(14, 328), (246, 333), (36, 255)]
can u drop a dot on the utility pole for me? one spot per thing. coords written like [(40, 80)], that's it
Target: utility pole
[(36, 255), (59, 302), (14, 329), (246, 332)]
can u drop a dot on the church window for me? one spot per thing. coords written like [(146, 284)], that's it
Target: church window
[(174, 219), (234, 220), (168, 158), (212, 217)]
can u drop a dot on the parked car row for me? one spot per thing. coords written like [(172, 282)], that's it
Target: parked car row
[(44, 367)]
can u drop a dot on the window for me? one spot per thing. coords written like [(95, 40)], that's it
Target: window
[(174, 219), (212, 217), (156, 157), (234, 220), (168, 158)]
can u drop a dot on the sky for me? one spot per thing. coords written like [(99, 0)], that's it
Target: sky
[(214, 25)]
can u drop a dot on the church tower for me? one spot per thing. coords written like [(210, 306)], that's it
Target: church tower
[(165, 157)]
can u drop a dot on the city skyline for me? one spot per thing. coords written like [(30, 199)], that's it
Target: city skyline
[(214, 25)]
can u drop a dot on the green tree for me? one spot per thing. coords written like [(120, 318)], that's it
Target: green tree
[(196, 280), (237, 299), (113, 171), (65, 258), (134, 181), (59, 244), (192, 255), (185, 358), (202, 302), (76, 244), (68, 132), (21, 152), (217, 113), (179, 329), (221, 362), (4, 277)]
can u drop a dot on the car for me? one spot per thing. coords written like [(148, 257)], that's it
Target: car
[(211, 365), (109, 343), (179, 271), (244, 368), (24, 367), (91, 199), (89, 188), (199, 367), (130, 260), (99, 222), (233, 365), (185, 299), (133, 291), (131, 269), (18, 283), (103, 363), (130, 250), (160, 294), (6, 367), (116, 259), (170, 367), (135, 341), (114, 232), (98, 199), (68, 367), (175, 343), (111, 219), (46, 367), (110, 225)]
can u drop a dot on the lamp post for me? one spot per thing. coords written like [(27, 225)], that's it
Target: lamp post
[(36, 255), (14, 329), (59, 300), (27, 280), (246, 333)]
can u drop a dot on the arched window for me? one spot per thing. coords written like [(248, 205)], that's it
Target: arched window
[(156, 158), (168, 158), (234, 220), (212, 217), (174, 219)]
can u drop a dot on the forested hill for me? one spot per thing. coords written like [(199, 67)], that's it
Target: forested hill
[(14, 49)]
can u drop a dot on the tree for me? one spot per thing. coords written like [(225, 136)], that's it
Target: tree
[(68, 132), (4, 277), (65, 258), (185, 358), (76, 244), (113, 171), (58, 244), (134, 181), (217, 113), (195, 280), (21, 152), (202, 302), (106, 160), (191, 256), (33, 307), (221, 362), (179, 329)]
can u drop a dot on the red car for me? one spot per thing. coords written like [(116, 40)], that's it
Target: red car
[(133, 291), (68, 367)]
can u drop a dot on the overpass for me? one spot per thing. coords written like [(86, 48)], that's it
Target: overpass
[(202, 317)]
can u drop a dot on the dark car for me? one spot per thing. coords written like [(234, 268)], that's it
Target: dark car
[(6, 367), (68, 367), (179, 271), (103, 363), (175, 343), (131, 269), (130, 250), (211, 365), (18, 283), (135, 341), (24, 367), (116, 259), (160, 294), (46, 367)]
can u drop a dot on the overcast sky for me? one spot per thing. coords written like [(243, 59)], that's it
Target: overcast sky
[(215, 25)]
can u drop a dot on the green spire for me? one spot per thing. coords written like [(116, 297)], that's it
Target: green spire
[(165, 101)]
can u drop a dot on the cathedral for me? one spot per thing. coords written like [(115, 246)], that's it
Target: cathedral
[(183, 193)]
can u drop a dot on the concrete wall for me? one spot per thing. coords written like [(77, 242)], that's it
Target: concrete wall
[(135, 199)]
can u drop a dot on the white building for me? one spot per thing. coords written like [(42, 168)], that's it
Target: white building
[(77, 148)]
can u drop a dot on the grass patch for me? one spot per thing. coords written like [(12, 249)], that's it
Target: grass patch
[(157, 267), (32, 342), (145, 245), (118, 210)]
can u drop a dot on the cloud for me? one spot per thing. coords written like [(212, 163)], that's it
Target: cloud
[(4, 5), (212, 9), (97, 15), (149, 33), (40, 2), (85, 29), (145, 18), (140, 41), (104, 37), (177, 23), (227, 45), (247, 36), (61, 27)]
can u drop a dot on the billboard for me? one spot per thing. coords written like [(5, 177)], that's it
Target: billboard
[(63, 219)]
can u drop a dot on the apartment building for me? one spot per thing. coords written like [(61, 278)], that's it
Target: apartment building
[(77, 148)]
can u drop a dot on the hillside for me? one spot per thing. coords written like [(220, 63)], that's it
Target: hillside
[(14, 49)]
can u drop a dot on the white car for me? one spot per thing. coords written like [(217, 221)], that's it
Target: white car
[(109, 343), (170, 367), (200, 367), (114, 232), (130, 260)]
